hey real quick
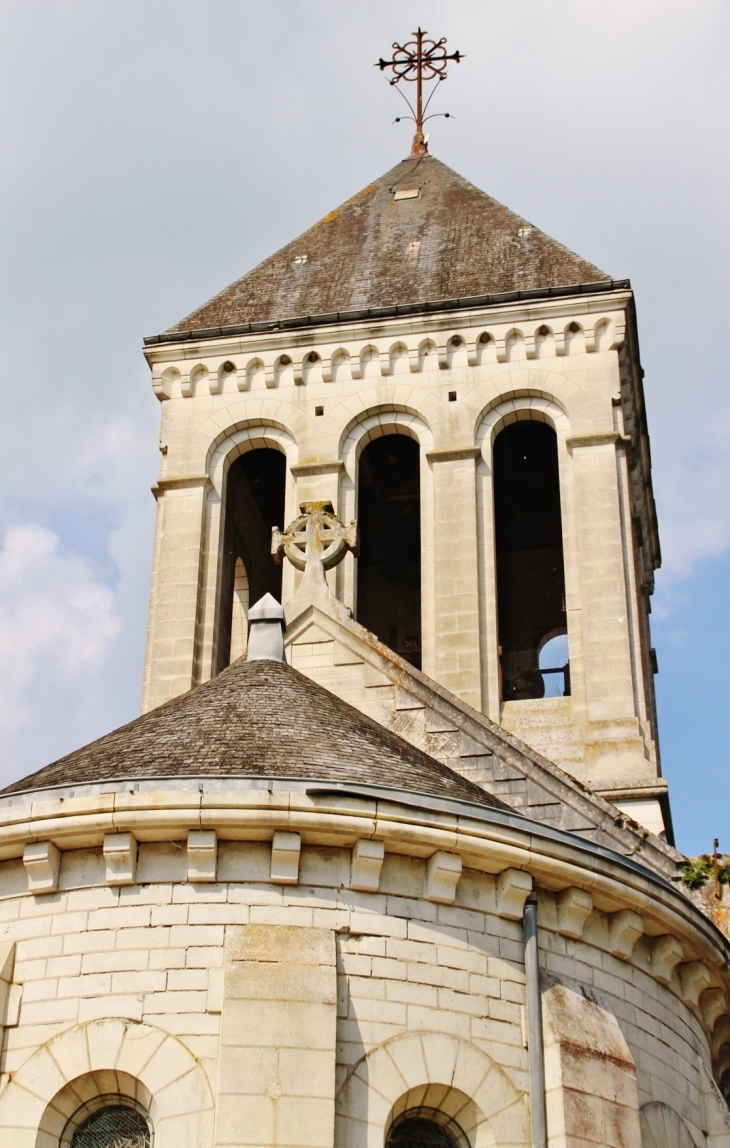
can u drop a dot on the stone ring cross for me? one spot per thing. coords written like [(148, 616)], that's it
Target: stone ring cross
[(317, 535)]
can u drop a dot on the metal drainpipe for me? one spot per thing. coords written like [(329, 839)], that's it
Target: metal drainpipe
[(534, 1027)]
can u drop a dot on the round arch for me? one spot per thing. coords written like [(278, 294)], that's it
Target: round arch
[(237, 440), (85, 1094), (519, 404), (429, 1069), (663, 1127), (111, 1056), (515, 407), (374, 422), (377, 421)]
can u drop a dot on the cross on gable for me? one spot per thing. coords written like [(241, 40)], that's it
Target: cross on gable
[(316, 536)]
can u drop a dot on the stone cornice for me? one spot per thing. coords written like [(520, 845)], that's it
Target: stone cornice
[(326, 813), (361, 327)]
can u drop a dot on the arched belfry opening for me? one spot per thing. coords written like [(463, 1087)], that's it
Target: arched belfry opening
[(254, 503), (389, 563), (530, 568)]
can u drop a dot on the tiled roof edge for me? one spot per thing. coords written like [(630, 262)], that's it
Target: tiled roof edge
[(390, 312)]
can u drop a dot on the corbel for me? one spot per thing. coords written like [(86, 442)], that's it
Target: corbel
[(327, 369), (501, 345), (7, 966), (386, 367), (443, 354), (356, 364), (42, 861), (366, 863), (666, 953), (186, 384), (442, 876), (712, 1006), (619, 334), (560, 347), (720, 1035), (530, 347), (472, 352), (120, 858), (202, 855), (512, 888), (624, 930), (298, 365), (158, 384), (414, 360), (574, 907), (285, 852), (589, 334), (694, 977)]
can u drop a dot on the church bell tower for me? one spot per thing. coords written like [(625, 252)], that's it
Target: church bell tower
[(469, 392)]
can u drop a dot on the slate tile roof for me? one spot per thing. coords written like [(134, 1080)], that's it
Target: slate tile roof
[(452, 241), (258, 719)]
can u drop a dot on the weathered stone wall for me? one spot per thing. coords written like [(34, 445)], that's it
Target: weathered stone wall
[(328, 997)]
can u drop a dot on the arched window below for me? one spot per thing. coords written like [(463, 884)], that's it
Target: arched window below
[(425, 1128), (554, 666), (108, 1122), (389, 563), (254, 502), (239, 613), (530, 570)]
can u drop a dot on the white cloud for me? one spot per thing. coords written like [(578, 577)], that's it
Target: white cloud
[(58, 624)]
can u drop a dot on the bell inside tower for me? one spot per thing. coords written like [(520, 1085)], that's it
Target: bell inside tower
[(254, 503), (389, 565), (530, 568)]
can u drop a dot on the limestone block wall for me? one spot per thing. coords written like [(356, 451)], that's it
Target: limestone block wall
[(451, 381), (259, 1005)]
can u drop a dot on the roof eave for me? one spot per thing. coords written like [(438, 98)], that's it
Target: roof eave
[(601, 286)]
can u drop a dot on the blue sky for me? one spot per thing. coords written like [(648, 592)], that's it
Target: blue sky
[(154, 150)]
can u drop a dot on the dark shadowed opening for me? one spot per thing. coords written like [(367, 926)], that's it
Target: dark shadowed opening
[(425, 1128), (389, 565), (530, 571), (254, 502)]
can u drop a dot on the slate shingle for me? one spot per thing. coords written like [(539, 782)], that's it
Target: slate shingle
[(258, 719), (362, 255)]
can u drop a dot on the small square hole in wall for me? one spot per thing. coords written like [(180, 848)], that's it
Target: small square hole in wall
[(452, 396), (319, 410)]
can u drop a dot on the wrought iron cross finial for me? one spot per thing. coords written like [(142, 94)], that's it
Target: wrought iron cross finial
[(415, 61)]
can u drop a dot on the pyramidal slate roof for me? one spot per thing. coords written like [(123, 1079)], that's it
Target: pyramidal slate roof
[(258, 719), (450, 241)]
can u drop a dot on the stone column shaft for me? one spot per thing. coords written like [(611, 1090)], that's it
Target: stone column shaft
[(456, 575)]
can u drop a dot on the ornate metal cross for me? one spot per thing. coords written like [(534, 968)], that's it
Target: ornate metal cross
[(316, 536), (415, 61)]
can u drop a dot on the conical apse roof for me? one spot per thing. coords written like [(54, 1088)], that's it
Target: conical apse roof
[(258, 719), (446, 240)]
